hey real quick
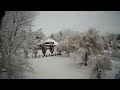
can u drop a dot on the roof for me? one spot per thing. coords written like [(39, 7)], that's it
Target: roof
[(51, 40)]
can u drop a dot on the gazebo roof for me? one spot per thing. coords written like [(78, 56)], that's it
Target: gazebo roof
[(51, 40)]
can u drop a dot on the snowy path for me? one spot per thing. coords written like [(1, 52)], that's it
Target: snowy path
[(57, 67)]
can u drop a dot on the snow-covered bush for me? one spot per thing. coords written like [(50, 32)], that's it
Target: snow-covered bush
[(117, 76), (118, 54), (114, 53), (107, 63), (101, 63), (18, 65), (59, 48), (81, 52), (62, 47)]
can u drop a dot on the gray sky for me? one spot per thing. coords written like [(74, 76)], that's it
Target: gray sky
[(54, 21)]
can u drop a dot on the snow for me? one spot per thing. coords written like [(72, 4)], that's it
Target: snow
[(51, 40), (64, 67), (57, 67)]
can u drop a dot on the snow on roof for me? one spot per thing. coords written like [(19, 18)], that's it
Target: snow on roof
[(51, 40)]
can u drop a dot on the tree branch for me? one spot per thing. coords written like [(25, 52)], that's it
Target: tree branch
[(19, 44)]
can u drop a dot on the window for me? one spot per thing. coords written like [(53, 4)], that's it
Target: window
[(47, 43)]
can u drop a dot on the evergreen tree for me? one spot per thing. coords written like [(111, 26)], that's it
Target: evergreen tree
[(52, 36)]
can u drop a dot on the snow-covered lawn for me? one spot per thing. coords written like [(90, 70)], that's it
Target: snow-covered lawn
[(63, 67), (57, 67)]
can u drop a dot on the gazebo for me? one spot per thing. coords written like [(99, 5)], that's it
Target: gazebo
[(49, 41)]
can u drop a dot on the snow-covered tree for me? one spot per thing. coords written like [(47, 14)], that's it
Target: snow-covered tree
[(52, 36), (111, 36), (57, 37), (105, 41), (40, 35), (63, 34), (114, 46), (13, 31), (91, 43), (75, 41), (66, 41), (33, 38), (30, 40), (83, 44)]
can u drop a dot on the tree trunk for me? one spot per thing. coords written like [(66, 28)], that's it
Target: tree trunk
[(68, 53), (86, 59), (9, 75), (0, 71), (9, 68), (98, 74)]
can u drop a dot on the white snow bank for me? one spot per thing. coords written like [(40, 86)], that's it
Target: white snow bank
[(57, 67)]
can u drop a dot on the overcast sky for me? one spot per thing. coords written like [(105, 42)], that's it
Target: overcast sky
[(54, 21)]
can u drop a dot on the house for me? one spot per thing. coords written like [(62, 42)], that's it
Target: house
[(117, 42), (118, 47)]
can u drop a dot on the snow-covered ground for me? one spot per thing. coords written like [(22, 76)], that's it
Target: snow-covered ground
[(57, 67), (63, 67)]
